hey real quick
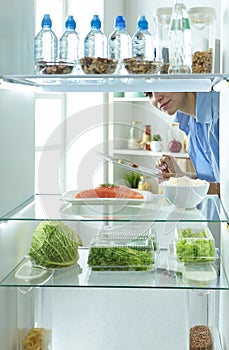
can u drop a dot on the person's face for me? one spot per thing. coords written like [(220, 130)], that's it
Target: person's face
[(168, 102)]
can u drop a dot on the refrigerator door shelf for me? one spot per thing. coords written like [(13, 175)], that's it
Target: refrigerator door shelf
[(114, 83)]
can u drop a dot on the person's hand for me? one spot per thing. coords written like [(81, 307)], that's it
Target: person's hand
[(168, 167)]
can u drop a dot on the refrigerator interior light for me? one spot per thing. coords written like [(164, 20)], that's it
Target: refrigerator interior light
[(4, 85), (221, 85)]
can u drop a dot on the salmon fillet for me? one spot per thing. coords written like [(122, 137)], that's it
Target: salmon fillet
[(110, 191)]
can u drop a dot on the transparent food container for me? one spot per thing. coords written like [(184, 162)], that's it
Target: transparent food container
[(98, 65), (203, 27), (135, 137), (199, 274), (194, 244), (55, 67), (122, 249), (162, 20), (202, 307), (34, 318)]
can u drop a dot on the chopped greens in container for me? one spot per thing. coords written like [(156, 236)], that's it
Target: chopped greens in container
[(194, 245), (118, 250)]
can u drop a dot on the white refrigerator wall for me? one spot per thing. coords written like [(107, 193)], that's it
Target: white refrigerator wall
[(16, 106), (16, 147), (224, 168), (16, 36)]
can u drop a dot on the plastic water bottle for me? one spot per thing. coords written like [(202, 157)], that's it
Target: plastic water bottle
[(180, 40), (69, 43), (45, 43), (95, 42), (119, 41), (142, 41)]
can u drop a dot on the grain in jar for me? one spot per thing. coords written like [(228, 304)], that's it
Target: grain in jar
[(203, 26)]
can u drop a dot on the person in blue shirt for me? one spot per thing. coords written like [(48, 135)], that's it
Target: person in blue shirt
[(198, 116)]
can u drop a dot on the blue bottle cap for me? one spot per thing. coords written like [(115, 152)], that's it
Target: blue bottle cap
[(143, 23), (46, 21), (70, 23), (120, 22), (95, 22)]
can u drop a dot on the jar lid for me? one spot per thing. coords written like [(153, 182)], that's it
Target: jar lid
[(135, 122), (206, 13), (163, 11), (164, 14)]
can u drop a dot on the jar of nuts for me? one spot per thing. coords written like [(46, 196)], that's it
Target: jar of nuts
[(203, 26)]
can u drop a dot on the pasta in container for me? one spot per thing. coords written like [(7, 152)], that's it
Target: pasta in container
[(35, 339)]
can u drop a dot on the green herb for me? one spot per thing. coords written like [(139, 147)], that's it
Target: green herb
[(120, 258), (156, 137), (54, 244), (195, 246), (132, 179)]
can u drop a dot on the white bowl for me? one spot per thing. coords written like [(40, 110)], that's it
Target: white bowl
[(185, 195)]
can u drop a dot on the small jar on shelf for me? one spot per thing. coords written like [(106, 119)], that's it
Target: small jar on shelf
[(135, 136), (34, 318), (146, 138), (203, 26), (201, 322), (145, 183), (162, 19)]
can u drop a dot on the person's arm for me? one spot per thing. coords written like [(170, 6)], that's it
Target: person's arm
[(169, 168)]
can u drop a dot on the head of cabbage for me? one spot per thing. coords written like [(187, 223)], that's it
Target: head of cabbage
[(54, 245)]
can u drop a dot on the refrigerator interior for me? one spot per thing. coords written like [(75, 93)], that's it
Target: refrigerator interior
[(91, 317)]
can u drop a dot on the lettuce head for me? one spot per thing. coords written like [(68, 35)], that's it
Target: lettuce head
[(54, 245)]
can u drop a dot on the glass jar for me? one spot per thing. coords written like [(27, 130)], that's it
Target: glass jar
[(176, 134), (202, 314), (146, 139), (180, 54), (145, 183), (34, 312), (203, 27), (162, 19), (135, 138)]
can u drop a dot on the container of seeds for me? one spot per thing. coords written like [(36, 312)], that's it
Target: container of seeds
[(203, 27), (123, 248)]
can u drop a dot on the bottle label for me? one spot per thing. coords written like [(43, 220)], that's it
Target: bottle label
[(186, 23), (180, 24), (176, 24)]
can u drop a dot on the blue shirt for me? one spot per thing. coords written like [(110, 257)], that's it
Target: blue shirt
[(203, 135)]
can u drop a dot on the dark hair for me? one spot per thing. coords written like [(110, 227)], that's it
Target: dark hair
[(148, 94)]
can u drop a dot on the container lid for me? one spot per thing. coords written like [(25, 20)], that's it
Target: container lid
[(70, 23), (206, 13), (136, 122), (95, 22), (164, 14), (46, 21), (200, 274), (143, 23), (120, 22)]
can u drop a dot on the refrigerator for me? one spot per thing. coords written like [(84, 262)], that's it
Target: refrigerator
[(75, 307)]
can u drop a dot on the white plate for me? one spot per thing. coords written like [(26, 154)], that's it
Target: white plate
[(69, 196)]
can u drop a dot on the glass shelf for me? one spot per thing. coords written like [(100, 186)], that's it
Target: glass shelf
[(115, 83), (80, 275), (53, 207), (183, 155)]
